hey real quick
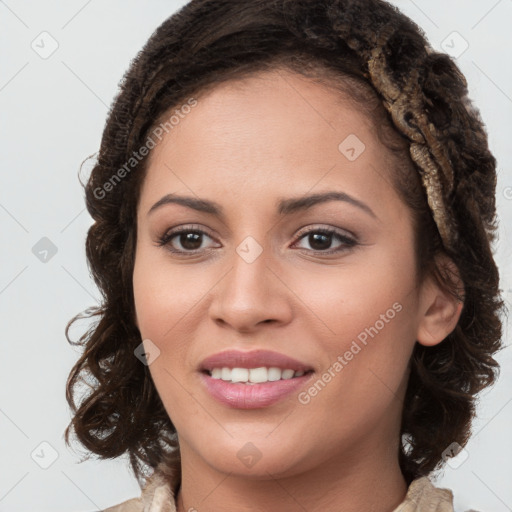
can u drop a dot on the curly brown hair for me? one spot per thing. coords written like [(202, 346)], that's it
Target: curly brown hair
[(418, 101)]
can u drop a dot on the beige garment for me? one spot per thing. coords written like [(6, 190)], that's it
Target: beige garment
[(157, 496)]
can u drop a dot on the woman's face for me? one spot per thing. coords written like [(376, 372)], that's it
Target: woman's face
[(263, 274)]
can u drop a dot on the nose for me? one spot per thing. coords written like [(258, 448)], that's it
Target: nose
[(251, 293)]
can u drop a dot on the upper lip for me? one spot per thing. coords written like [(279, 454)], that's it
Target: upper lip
[(252, 359)]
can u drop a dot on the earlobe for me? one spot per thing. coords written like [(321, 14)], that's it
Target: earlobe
[(440, 310)]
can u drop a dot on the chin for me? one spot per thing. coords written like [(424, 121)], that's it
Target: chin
[(257, 459)]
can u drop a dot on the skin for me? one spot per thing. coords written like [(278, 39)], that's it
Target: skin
[(245, 145)]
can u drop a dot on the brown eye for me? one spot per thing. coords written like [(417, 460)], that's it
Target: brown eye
[(183, 240), (190, 241), (320, 240)]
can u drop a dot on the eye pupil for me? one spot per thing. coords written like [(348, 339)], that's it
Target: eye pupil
[(316, 237), (189, 240)]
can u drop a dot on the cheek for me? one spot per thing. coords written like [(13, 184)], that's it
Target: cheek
[(348, 299), (161, 304), (364, 320), (162, 293), (169, 306)]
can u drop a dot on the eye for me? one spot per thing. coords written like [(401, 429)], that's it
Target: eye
[(188, 237), (189, 240), (320, 239)]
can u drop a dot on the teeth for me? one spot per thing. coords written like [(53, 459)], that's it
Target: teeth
[(254, 375), (287, 374)]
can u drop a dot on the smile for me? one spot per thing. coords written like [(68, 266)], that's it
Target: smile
[(243, 394)]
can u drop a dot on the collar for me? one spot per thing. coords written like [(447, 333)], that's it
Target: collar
[(159, 494), (422, 496)]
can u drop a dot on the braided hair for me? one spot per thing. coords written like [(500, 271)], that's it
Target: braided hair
[(418, 99)]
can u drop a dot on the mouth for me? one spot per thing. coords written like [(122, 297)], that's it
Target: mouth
[(243, 394), (240, 361), (252, 380), (253, 376)]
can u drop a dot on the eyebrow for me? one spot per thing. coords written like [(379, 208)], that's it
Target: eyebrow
[(285, 206)]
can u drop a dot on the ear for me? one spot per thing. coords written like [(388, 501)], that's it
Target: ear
[(439, 310)]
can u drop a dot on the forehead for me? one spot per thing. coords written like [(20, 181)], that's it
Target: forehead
[(267, 132)]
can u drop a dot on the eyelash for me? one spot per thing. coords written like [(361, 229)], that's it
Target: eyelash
[(347, 241)]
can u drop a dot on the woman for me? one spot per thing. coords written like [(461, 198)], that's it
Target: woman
[(294, 208)]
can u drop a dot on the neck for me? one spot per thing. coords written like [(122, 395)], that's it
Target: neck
[(369, 478)]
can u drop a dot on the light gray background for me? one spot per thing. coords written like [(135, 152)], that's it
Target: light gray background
[(53, 113)]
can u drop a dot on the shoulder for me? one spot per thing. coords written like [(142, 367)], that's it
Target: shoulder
[(133, 505)]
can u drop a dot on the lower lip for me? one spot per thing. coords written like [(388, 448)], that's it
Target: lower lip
[(252, 396)]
